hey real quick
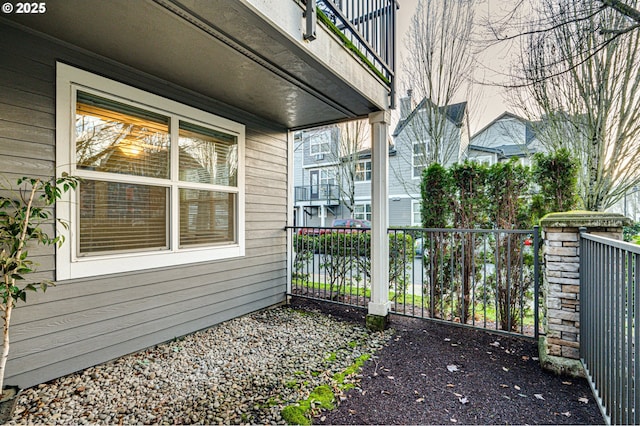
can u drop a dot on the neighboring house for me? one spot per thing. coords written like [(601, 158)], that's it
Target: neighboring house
[(413, 146), (508, 136), (316, 193), (178, 116), (318, 181), (319, 187)]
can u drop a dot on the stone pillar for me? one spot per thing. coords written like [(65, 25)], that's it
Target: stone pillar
[(560, 345), (378, 309)]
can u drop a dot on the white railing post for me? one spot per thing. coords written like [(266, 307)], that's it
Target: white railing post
[(378, 310)]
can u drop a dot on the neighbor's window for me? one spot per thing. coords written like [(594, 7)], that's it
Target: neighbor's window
[(362, 211), (419, 158), (363, 171), (320, 142), (157, 182), (416, 214)]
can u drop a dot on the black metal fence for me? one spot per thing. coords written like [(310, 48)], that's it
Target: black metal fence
[(609, 324), (480, 278)]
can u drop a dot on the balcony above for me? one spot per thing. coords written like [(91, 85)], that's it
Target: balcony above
[(316, 195), (248, 54)]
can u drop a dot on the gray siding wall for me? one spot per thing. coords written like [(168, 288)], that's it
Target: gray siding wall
[(84, 322), (400, 212)]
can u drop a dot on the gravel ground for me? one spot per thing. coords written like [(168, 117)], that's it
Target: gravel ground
[(245, 371), (242, 371)]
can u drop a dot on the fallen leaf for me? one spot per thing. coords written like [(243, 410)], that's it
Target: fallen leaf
[(539, 396), (423, 375), (496, 344), (568, 414), (451, 385), (454, 420), (454, 344), (386, 392), (458, 395), (390, 377), (420, 400), (534, 358), (522, 395), (452, 368), (566, 383), (525, 358), (463, 400), (583, 400), (364, 392), (323, 418), (505, 396), (447, 339), (504, 386), (516, 387), (505, 368)]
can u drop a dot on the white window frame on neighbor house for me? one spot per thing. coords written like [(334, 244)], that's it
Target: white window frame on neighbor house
[(320, 142), (69, 262), (362, 211), (484, 159), (416, 213), (414, 163), (363, 171)]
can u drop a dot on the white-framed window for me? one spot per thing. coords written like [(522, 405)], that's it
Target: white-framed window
[(162, 183), (363, 171), (362, 211), (320, 142), (418, 158), (416, 215), (484, 159)]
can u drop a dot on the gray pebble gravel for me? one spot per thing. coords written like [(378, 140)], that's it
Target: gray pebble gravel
[(243, 371)]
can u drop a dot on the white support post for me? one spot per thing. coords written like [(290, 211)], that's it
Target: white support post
[(379, 304)]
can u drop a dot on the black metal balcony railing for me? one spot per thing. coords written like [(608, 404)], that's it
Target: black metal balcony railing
[(368, 28), (325, 193)]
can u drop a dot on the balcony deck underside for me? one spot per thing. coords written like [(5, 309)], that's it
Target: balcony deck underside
[(231, 51)]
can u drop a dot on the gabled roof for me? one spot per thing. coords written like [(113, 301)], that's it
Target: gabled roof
[(455, 113), (530, 133), (366, 153), (503, 151)]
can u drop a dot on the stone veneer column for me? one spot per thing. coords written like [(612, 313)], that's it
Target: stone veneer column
[(560, 345)]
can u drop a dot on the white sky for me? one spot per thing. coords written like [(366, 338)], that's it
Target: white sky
[(492, 101)]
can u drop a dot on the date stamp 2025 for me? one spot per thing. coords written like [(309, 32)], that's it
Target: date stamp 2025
[(24, 8)]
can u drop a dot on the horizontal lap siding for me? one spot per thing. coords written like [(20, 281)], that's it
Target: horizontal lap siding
[(84, 322)]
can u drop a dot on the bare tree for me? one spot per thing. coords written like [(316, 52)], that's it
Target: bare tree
[(437, 71), (582, 78), (438, 68), (353, 139)]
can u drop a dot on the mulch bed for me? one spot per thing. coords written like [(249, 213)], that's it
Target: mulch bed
[(432, 373)]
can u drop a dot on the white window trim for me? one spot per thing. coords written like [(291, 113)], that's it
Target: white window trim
[(413, 159), (68, 264), (413, 204), (365, 171), (318, 140), (364, 212)]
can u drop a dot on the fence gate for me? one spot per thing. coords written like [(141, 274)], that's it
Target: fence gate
[(478, 278)]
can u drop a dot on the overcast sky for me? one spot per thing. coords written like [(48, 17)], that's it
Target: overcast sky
[(491, 102)]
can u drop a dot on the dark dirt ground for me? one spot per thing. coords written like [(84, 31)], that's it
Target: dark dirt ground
[(497, 379)]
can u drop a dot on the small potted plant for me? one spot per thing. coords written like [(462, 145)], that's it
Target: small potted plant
[(22, 211)]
